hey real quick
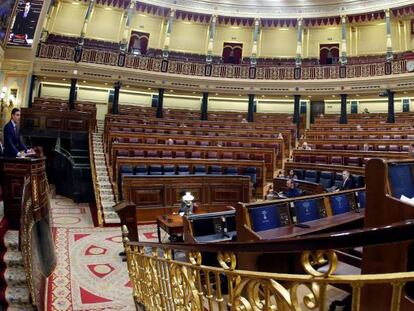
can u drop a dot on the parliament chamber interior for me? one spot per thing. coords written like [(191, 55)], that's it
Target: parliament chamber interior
[(207, 155)]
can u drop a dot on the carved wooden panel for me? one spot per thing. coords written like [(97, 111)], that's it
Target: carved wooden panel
[(155, 196), (54, 123)]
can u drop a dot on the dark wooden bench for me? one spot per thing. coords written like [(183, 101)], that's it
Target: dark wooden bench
[(158, 195), (255, 169)]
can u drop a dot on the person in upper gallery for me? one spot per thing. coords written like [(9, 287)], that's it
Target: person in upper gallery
[(13, 145), (365, 147), (359, 127), (411, 150), (280, 136), (347, 183), (292, 191), (169, 142), (244, 121), (365, 111), (305, 146)]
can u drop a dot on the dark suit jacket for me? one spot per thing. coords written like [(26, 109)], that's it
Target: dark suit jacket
[(12, 142), (348, 184)]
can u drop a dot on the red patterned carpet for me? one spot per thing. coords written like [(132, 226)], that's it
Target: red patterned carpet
[(90, 274)]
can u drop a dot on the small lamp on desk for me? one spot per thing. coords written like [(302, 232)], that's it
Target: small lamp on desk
[(186, 204)]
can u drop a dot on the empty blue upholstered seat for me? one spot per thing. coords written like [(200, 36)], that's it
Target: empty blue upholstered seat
[(126, 170), (361, 199), (311, 175), (169, 169), (401, 180), (265, 217), (358, 181), (199, 170), (216, 169), (231, 170), (155, 170), (340, 204), (326, 179), (140, 170), (306, 210), (338, 181), (183, 170), (252, 173), (299, 173)]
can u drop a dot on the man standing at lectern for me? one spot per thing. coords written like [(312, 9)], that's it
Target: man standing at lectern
[(13, 145)]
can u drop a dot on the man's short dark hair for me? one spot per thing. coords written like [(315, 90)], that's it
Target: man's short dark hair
[(15, 110)]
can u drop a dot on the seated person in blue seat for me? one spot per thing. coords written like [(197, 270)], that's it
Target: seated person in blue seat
[(347, 183), (13, 145), (292, 191)]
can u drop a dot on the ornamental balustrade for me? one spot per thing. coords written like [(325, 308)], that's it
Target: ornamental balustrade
[(283, 72)]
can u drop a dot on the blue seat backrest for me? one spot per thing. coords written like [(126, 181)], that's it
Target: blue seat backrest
[(311, 176), (199, 169), (126, 169), (140, 170), (183, 170), (338, 180), (361, 199), (401, 180), (358, 181), (169, 170), (340, 204), (230, 170), (264, 217), (252, 173), (306, 210), (325, 179), (215, 169), (155, 170), (299, 173)]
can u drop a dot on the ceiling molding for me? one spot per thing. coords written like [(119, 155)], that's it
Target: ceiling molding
[(280, 8)]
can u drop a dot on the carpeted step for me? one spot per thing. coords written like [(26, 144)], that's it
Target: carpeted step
[(21, 307), (17, 295), (13, 258), (11, 240), (15, 277)]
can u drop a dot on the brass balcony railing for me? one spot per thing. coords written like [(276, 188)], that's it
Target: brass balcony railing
[(163, 280)]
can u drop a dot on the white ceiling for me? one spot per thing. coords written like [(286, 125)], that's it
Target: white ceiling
[(280, 8)]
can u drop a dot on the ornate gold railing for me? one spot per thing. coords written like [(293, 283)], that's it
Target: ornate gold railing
[(162, 282)]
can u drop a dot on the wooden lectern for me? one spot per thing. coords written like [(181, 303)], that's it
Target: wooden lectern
[(13, 174)]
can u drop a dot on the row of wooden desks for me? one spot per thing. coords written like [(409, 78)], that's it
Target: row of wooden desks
[(330, 223), (173, 225)]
